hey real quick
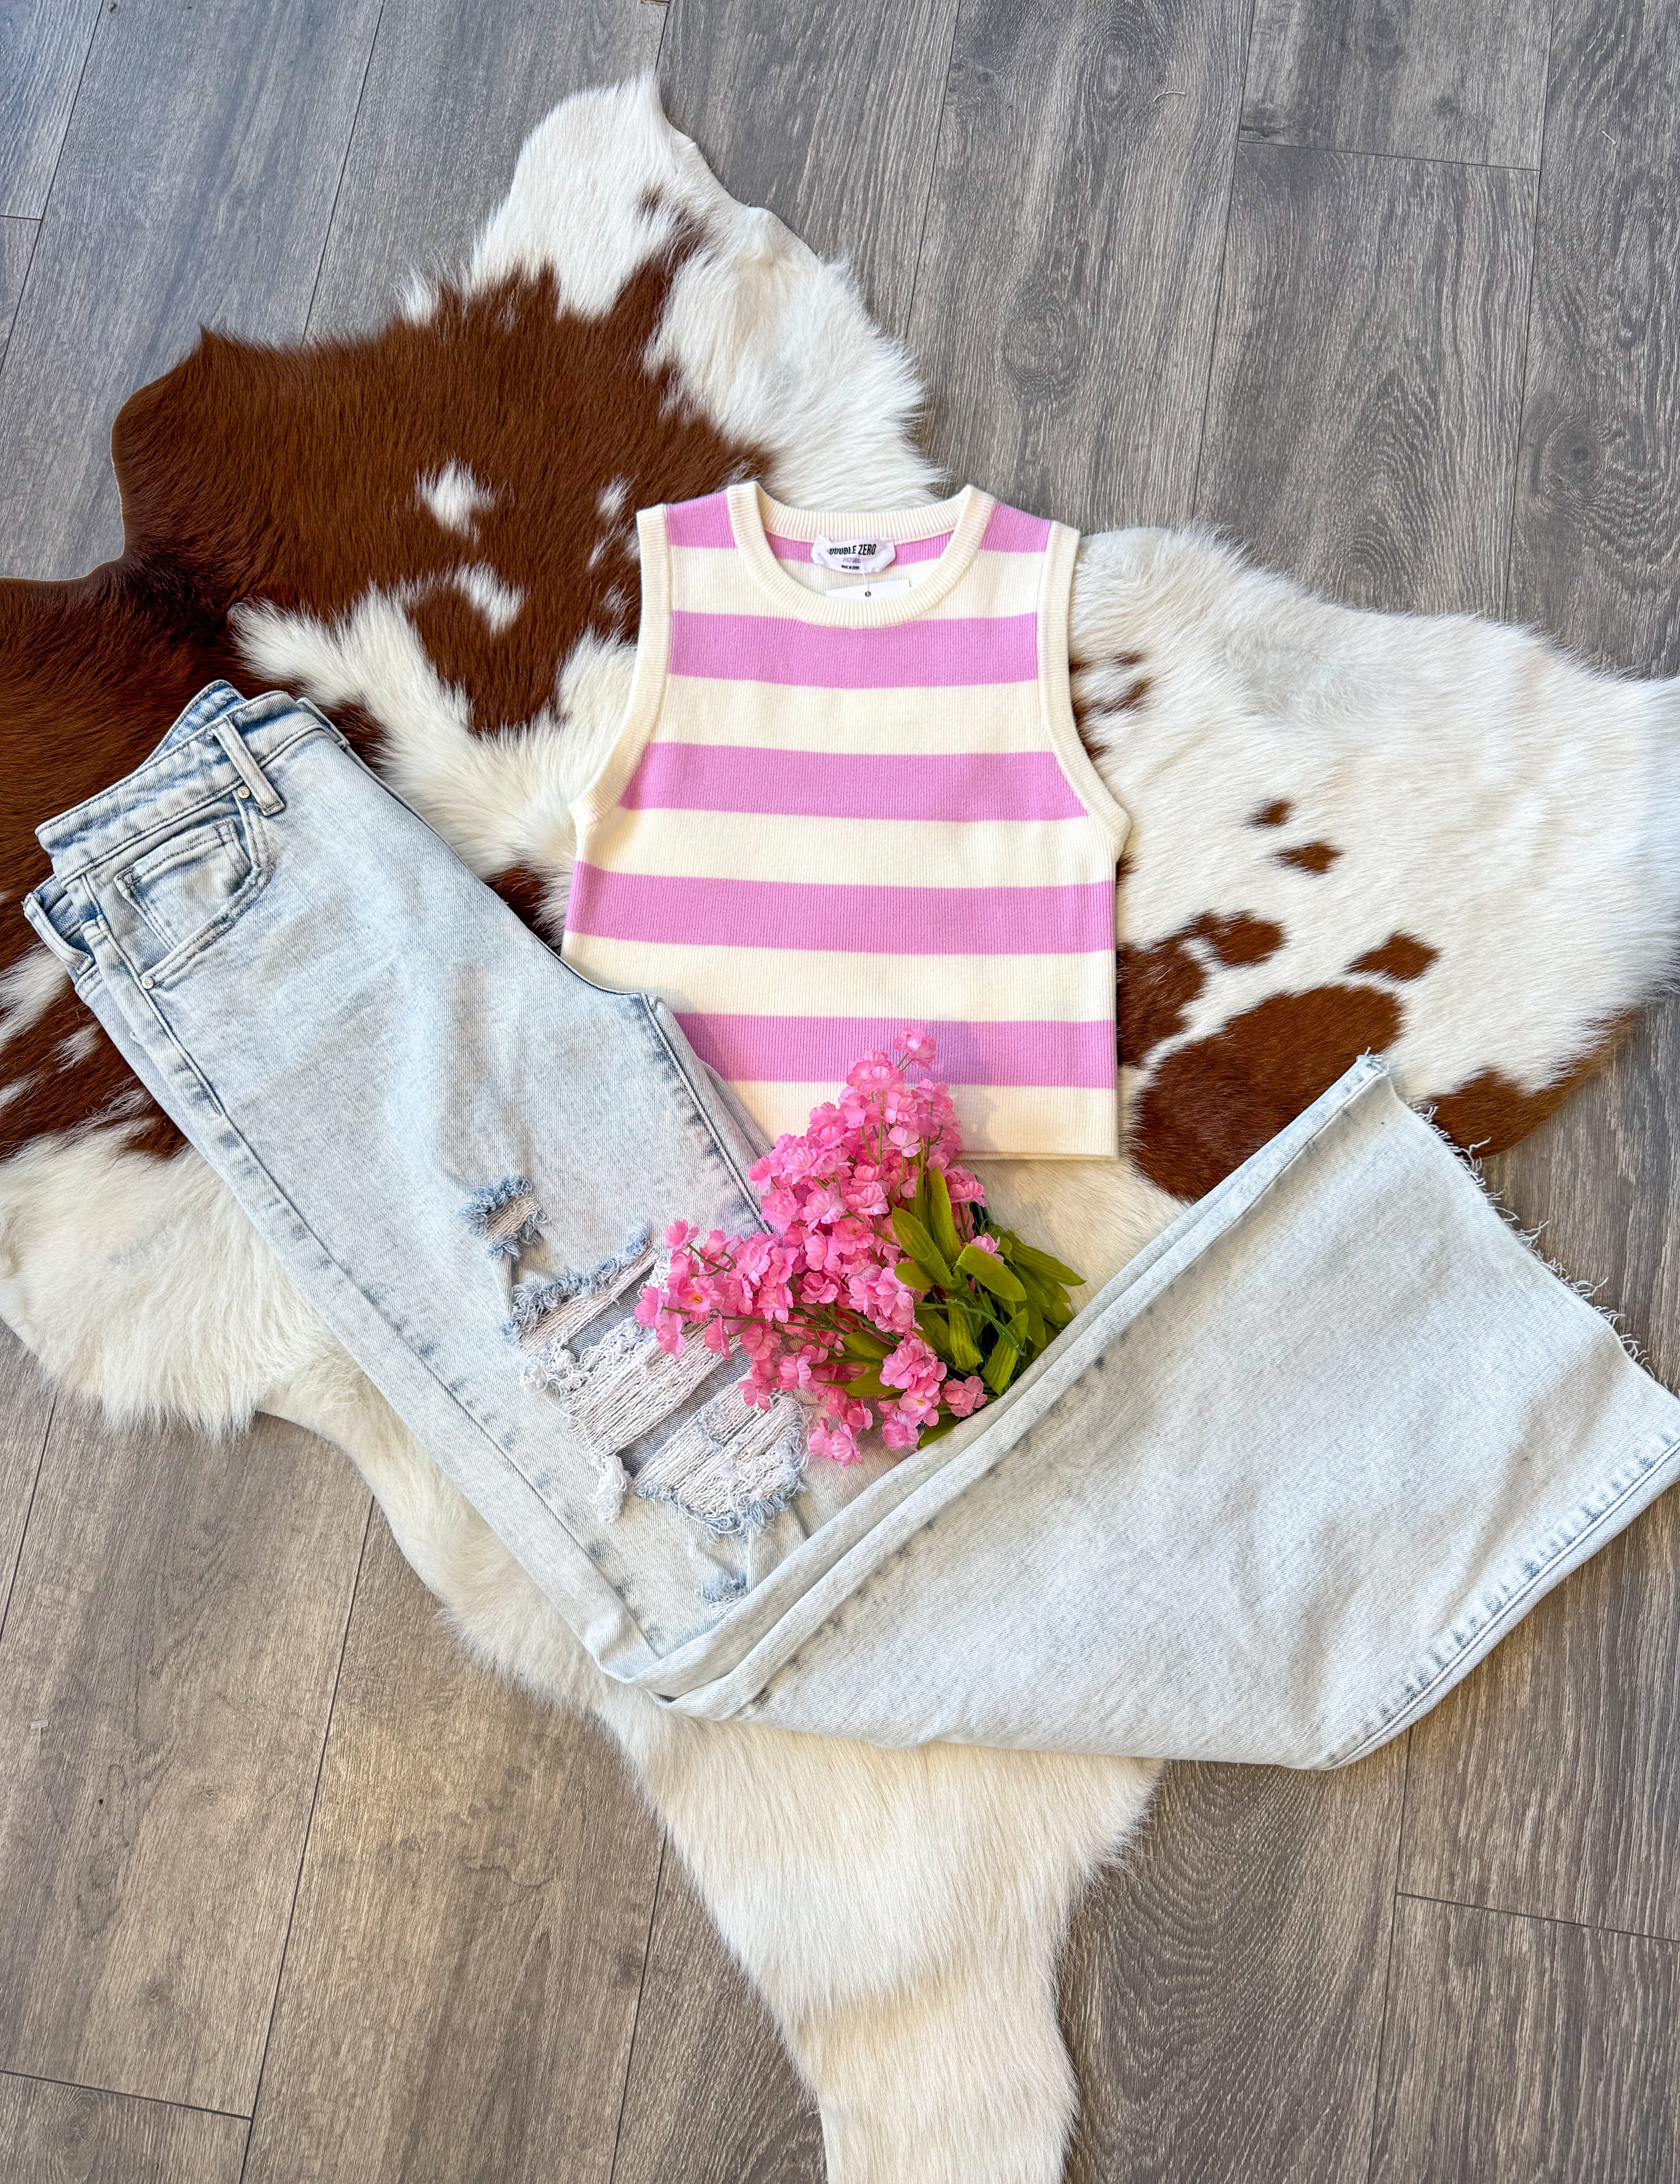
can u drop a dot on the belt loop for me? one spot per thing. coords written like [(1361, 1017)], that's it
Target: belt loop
[(74, 960), (268, 797)]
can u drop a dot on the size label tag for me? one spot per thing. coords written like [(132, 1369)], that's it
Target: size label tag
[(853, 557), (889, 589)]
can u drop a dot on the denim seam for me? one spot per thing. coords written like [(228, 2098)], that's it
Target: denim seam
[(1388, 1725), (696, 1103)]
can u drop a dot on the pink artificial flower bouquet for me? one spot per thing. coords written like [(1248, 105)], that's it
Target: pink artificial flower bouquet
[(882, 1288)]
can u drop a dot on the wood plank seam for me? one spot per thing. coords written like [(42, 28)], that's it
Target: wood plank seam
[(641, 1983), (337, 192), (314, 1794), (95, 27), (1527, 346), (1401, 159), (117, 2093), (932, 169), (23, 1536), (1218, 311), (1543, 1919), (1388, 1967)]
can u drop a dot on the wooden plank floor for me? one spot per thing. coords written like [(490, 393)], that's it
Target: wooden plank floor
[(1390, 288)]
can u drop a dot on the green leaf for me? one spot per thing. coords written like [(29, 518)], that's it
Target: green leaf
[(870, 1388), (938, 1431), (935, 1326), (1041, 1263), (1050, 1298), (857, 1344), (915, 1238), (1000, 1366), (991, 1274), (965, 1350), (943, 1222)]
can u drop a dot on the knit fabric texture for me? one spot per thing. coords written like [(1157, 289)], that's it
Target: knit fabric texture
[(844, 802)]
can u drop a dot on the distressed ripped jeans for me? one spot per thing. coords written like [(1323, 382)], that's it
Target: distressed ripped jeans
[(1284, 1481)]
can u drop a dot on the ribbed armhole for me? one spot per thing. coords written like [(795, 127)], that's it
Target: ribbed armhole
[(1055, 684)]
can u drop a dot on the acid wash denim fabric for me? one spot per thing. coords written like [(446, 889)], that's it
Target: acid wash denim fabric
[(1295, 1470)]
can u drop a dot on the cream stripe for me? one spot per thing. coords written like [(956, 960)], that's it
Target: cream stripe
[(791, 983), (733, 846), (1022, 1121), (853, 722)]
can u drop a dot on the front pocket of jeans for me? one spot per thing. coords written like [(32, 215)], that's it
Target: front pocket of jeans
[(184, 890)]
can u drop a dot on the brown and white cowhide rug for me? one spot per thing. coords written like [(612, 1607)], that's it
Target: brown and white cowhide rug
[(1434, 837)]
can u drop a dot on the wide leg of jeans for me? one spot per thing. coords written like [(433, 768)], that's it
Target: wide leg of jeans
[(1279, 1487)]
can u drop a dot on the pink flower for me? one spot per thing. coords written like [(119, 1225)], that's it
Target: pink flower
[(962, 1396), (838, 1443), (985, 1243), (824, 1264), (870, 1072), (912, 1366)]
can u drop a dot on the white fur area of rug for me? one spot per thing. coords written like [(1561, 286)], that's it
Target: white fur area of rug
[(904, 1913)]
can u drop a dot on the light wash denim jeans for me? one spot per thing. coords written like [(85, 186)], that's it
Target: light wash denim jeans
[(1288, 1477)]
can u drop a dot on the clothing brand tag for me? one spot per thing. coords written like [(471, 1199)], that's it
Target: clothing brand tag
[(889, 590), (854, 557)]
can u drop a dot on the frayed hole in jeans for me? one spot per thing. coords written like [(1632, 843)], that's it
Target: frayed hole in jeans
[(734, 1467), (550, 1312), (506, 1216)]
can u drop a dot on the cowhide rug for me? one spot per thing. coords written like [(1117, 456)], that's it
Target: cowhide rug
[(1436, 838)]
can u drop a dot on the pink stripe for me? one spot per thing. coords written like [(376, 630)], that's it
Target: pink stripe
[(1073, 920), (700, 522), (796, 785), (820, 1050), (908, 655), (1009, 531), (906, 549)]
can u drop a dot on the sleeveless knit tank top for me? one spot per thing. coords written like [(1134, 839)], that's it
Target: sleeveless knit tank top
[(843, 803)]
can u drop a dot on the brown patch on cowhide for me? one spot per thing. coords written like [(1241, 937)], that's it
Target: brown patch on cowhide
[(1400, 957), (1310, 857), (1235, 937), (1491, 1114), (1089, 709), (1212, 1103), (1156, 986), (1275, 814), (1158, 983), (290, 476), (525, 890)]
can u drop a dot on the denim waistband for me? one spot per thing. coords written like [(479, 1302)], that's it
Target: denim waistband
[(215, 748)]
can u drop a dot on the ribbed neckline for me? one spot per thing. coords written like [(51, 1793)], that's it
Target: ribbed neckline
[(753, 514)]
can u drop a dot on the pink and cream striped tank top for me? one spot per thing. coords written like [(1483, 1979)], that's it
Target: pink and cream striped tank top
[(849, 795)]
